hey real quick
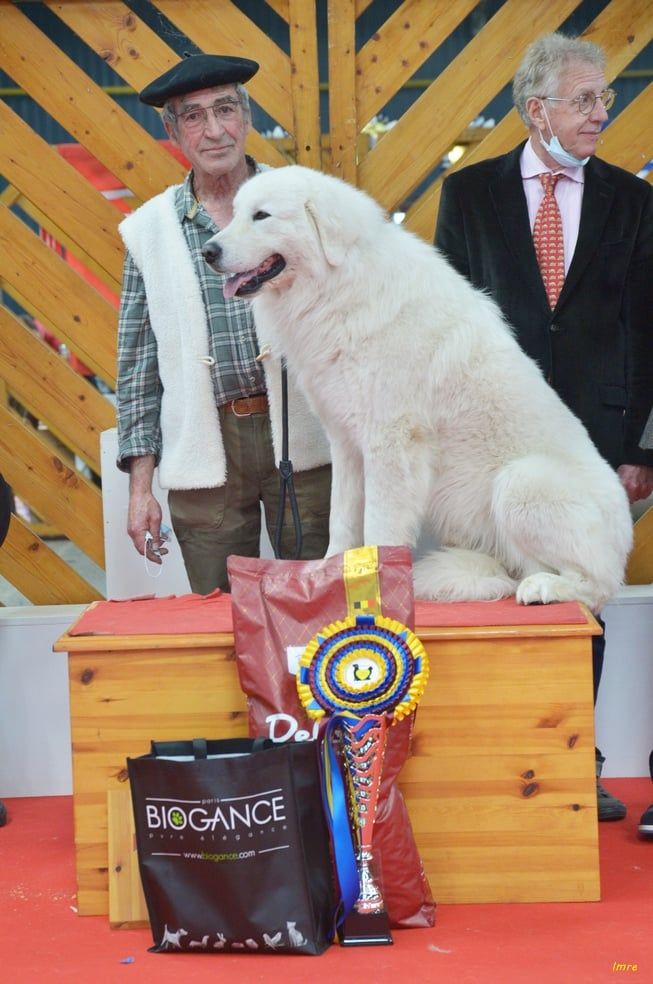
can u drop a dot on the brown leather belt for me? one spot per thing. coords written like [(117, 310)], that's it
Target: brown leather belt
[(247, 406)]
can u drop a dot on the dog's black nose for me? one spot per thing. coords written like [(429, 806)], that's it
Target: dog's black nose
[(211, 253)]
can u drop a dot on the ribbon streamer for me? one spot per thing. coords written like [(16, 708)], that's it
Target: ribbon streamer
[(336, 809)]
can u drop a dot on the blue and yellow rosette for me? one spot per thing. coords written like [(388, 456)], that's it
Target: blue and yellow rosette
[(363, 665)]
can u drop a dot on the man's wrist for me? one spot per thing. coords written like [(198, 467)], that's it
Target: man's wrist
[(141, 470)]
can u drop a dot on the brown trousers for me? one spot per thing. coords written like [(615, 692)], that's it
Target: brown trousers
[(211, 524)]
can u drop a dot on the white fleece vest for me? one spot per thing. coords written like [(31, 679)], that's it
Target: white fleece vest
[(192, 454)]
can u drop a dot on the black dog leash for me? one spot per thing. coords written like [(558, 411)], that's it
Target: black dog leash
[(286, 483)]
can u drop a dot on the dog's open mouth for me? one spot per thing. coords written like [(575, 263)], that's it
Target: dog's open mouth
[(243, 284)]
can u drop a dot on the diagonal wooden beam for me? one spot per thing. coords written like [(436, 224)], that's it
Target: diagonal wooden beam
[(92, 117), (66, 304), (627, 141), (52, 391), (400, 47), (58, 493), (134, 51), (39, 573), (66, 197), (222, 27), (406, 154)]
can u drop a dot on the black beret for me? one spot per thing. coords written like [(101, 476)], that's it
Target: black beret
[(197, 72)]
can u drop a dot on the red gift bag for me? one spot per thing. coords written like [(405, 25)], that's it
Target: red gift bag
[(278, 606)]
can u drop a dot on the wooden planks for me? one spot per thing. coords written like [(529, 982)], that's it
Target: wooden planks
[(52, 391), (400, 47), (93, 118), (500, 789), (122, 701), (132, 49), (406, 154), (304, 84), (66, 304), (343, 124), (58, 493), (626, 141), (66, 198), (499, 746), (38, 572), (126, 901)]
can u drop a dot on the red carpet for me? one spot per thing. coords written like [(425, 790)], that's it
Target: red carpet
[(585, 943)]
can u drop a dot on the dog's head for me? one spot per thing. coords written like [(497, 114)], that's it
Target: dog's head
[(289, 222)]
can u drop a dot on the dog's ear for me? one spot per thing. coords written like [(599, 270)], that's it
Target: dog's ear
[(330, 233)]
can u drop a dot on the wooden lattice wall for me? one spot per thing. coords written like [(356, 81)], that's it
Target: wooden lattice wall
[(40, 461)]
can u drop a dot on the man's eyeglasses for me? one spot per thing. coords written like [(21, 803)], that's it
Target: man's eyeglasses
[(197, 117), (587, 100)]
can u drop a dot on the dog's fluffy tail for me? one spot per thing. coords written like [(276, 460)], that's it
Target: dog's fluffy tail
[(454, 574)]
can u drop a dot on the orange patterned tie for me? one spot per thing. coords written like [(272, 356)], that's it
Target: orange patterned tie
[(547, 238)]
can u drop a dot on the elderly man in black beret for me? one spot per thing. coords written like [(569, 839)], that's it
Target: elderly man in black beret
[(195, 397)]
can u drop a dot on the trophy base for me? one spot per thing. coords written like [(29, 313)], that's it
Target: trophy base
[(365, 929)]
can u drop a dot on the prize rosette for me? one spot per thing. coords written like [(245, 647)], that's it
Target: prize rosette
[(363, 665), (359, 674)]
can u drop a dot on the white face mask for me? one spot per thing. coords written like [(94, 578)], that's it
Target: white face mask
[(555, 149)]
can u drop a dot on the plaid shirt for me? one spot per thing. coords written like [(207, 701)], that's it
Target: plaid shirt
[(232, 340)]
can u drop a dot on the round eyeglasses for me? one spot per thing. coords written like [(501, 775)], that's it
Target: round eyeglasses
[(586, 101), (197, 117)]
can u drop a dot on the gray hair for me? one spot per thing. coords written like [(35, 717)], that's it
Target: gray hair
[(545, 61), (169, 116)]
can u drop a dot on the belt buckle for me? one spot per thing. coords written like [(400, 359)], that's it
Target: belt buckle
[(235, 412)]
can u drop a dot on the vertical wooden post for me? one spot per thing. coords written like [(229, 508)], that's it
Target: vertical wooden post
[(343, 122), (304, 82)]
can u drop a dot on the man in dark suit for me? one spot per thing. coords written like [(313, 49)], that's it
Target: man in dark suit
[(593, 341)]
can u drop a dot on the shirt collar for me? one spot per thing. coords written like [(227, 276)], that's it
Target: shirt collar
[(187, 204), (531, 166)]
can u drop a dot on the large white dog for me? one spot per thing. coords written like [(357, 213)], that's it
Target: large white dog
[(433, 412)]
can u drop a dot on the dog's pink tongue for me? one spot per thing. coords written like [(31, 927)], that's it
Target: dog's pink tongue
[(233, 283)]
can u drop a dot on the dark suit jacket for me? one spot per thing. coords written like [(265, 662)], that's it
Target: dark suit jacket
[(596, 347)]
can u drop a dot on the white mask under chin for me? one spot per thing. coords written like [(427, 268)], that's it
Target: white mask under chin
[(555, 149), (560, 155)]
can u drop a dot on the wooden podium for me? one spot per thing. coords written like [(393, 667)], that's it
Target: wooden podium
[(500, 788)]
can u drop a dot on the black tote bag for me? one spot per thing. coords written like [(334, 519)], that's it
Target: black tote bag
[(233, 847)]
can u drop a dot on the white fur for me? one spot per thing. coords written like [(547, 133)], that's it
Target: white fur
[(433, 412)]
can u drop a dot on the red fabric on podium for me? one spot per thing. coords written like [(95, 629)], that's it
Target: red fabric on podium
[(506, 611), (196, 614), (174, 615)]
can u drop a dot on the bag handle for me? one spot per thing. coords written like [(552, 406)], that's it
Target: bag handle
[(200, 748)]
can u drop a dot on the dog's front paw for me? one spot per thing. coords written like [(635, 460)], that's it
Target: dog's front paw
[(542, 589)]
